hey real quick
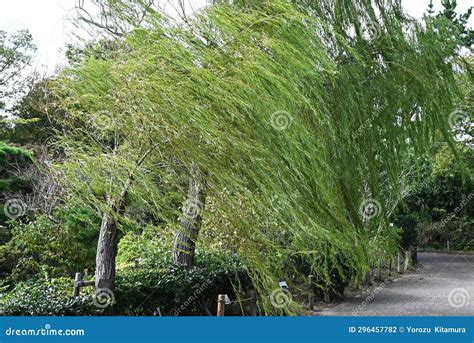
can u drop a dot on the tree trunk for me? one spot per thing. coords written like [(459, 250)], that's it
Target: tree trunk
[(185, 239), (106, 253), (108, 242), (108, 237), (414, 255)]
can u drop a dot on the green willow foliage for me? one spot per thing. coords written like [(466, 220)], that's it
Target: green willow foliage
[(297, 113)]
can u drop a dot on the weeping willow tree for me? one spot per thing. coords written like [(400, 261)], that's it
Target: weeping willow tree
[(112, 159), (300, 114)]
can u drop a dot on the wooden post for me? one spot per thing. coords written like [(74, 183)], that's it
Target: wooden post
[(253, 303), (372, 269), (311, 292), (76, 288), (399, 263), (448, 246), (390, 267), (220, 305), (326, 295), (368, 278), (379, 272), (407, 259), (414, 256)]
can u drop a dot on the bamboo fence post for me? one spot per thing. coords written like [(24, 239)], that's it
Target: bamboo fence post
[(399, 263), (311, 292), (379, 271), (326, 295), (76, 288), (253, 303), (221, 305), (407, 260)]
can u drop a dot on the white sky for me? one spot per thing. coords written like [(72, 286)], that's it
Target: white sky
[(49, 22)]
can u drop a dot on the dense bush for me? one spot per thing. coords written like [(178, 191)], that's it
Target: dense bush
[(11, 186), (51, 248), (178, 291), (140, 290), (438, 206), (44, 298), (146, 278)]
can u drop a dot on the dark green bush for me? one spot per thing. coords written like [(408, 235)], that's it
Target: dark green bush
[(45, 298), (139, 291), (178, 291), (147, 280), (46, 248)]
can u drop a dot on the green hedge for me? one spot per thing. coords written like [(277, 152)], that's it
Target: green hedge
[(139, 291)]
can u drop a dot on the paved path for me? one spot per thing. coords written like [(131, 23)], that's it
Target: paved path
[(444, 286)]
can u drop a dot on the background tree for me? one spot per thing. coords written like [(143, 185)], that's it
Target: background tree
[(15, 54), (184, 244), (460, 21)]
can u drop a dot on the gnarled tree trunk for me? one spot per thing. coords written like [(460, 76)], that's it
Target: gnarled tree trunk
[(108, 237), (106, 253), (108, 242), (185, 239)]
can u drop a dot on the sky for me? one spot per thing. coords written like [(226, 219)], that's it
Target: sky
[(49, 21)]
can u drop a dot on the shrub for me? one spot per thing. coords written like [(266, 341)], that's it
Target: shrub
[(140, 289), (44, 248), (146, 279), (175, 290), (45, 298)]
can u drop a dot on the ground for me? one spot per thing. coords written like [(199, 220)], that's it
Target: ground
[(443, 286)]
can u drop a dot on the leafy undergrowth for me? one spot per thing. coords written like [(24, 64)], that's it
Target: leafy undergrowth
[(139, 290)]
